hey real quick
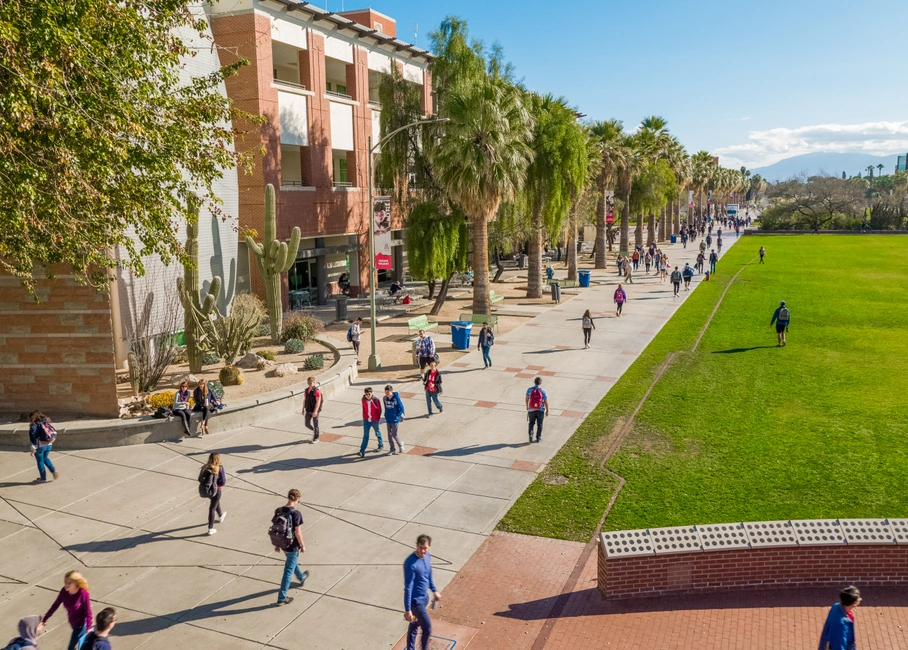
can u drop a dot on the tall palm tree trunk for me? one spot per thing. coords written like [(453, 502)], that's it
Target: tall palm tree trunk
[(572, 245), (700, 203), (481, 265), (663, 225), (534, 268), (601, 230), (625, 222), (651, 231), (638, 231), (676, 218)]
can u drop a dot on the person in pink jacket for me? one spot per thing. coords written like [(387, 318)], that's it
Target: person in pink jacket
[(371, 418), (77, 603), (620, 299)]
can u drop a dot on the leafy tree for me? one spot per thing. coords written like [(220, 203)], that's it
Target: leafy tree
[(101, 140), (438, 246), (816, 201)]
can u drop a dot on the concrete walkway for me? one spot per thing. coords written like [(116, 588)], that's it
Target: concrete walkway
[(131, 520)]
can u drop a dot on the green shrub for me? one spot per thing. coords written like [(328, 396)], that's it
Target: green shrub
[(210, 358), (217, 388), (266, 354), (294, 346), (264, 330), (230, 376), (314, 362), (298, 325)]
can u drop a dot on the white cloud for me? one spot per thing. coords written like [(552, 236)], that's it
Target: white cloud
[(767, 147)]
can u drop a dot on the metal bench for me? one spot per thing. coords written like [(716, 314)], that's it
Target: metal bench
[(493, 297), (479, 319), (420, 323)]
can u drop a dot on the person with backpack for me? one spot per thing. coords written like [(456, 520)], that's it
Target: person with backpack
[(28, 634), (425, 350), (719, 243), (762, 254), (394, 413), (181, 407), (371, 418), (41, 434), (676, 281), (353, 335), (205, 403), (77, 603), (286, 536), (701, 259), (418, 583), (588, 326), (838, 631), (687, 275), (780, 318), (713, 260), (486, 341), (636, 259), (212, 479), (104, 623), (312, 407), (431, 381), (537, 403), (620, 298)]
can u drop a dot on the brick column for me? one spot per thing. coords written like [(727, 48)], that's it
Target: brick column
[(312, 75)]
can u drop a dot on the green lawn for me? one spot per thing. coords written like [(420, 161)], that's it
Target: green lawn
[(742, 430)]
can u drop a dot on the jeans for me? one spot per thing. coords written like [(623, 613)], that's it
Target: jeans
[(312, 424), (205, 411), (392, 435), (214, 505), (712, 267), (418, 609), (291, 567), (677, 287), (432, 397), (186, 416), (43, 459), (366, 427), (536, 418), (587, 335), (486, 359), (77, 637)]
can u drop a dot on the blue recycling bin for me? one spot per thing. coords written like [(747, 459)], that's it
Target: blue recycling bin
[(674, 239), (584, 278), (460, 334)]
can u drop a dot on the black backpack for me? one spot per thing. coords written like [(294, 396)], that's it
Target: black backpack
[(208, 484), (19, 644), (46, 432), (281, 531)]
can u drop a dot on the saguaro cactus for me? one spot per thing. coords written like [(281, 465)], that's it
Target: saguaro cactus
[(273, 258), (196, 311)]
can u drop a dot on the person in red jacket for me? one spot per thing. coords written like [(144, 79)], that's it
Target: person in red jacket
[(371, 418)]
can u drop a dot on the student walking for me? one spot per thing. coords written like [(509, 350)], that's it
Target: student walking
[(838, 631), (713, 260), (636, 259), (676, 281), (620, 298), (205, 402), (431, 381), (104, 623), (588, 326), (762, 254), (41, 435), (286, 536), (354, 334), (663, 269), (537, 403), (780, 318), (425, 350), (394, 413), (648, 260), (28, 633), (486, 341), (719, 244), (701, 259), (371, 418), (212, 479), (418, 583), (687, 275), (312, 407), (181, 407), (77, 603), (628, 272)]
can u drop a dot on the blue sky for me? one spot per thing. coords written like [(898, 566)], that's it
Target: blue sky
[(754, 82)]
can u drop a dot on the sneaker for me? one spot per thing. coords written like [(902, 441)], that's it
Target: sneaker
[(314, 439), (303, 581), (56, 474), (539, 439), (531, 438), (400, 450), (380, 447), (286, 601), (392, 453), (223, 516), (40, 480), (362, 454), (212, 531), (441, 410)]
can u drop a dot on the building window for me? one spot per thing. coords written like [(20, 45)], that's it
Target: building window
[(342, 170)]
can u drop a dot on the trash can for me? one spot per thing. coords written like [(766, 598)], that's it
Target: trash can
[(584, 278), (674, 239), (340, 308), (460, 334), (556, 291)]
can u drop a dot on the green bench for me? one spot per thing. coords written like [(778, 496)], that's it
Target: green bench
[(479, 319), (420, 323), (493, 297)]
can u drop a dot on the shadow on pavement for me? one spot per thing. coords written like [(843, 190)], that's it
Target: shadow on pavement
[(474, 449)]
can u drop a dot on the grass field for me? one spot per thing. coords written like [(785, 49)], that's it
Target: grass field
[(742, 430)]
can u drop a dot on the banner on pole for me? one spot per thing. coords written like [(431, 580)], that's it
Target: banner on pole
[(690, 198), (709, 197), (381, 227), (609, 207)]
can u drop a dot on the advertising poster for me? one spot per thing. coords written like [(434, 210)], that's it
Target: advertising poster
[(609, 207), (382, 232), (690, 198)]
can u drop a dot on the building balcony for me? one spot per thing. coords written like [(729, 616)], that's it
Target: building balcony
[(332, 93), (288, 84)]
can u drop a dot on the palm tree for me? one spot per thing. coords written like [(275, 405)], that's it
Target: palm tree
[(881, 166), (870, 171), (703, 169), (553, 178), (482, 160), (609, 138)]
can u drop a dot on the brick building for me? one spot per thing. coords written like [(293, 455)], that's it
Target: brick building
[(314, 76)]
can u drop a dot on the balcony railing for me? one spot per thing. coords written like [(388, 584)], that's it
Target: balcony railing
[(336, 94), (343, 184), (289, 84), (287, 183), (375, 104)]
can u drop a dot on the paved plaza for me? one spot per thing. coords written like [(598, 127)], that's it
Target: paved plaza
[(131, 520)]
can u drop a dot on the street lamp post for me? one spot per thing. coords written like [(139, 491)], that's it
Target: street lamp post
[(374, 361)]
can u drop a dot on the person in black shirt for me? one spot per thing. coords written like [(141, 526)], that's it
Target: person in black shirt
[(292, 552)]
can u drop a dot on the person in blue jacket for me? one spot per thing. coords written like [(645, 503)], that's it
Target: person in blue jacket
[(418, 583), (838, 632), (781, 317), (394, 413)]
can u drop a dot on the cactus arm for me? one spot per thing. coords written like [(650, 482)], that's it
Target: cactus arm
[(270, 213), (257, 249), (292, 249), (280, 259), (273, 251)]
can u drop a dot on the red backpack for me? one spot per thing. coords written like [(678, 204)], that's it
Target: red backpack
[(536, 399)]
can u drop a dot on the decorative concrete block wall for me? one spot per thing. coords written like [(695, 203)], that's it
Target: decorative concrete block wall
[(753, 555)]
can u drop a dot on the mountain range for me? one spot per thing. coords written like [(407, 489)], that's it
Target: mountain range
[(812, 164)]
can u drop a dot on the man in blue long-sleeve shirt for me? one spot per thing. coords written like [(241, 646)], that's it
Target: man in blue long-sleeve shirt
[(417, 584)]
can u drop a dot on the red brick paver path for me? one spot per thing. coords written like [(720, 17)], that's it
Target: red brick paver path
[(508, 589)]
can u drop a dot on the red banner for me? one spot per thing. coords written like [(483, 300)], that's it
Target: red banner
[(381, 227)]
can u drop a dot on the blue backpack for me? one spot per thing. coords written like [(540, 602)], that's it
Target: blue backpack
[(19, 644)]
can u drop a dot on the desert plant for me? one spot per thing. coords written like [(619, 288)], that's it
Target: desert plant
[(298, 325), (273, 257), (314, 362), (151, 346), (209, 358), (294, 346), (264, 330), (179, 354), (266, 354), (161, 399), (231, 336), (217, 388), (230, 376), (196, 312)]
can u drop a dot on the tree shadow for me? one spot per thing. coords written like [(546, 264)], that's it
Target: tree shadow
[(736, 350), (475, 449)]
